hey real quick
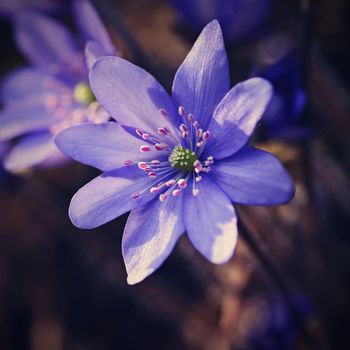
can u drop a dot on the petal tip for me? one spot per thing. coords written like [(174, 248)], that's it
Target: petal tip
[(135, 277)]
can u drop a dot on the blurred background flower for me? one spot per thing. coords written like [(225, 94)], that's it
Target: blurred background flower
[(11, 7), (239, 19), (53, 93), (278, 60)]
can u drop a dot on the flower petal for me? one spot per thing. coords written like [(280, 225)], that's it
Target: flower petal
[(150, 235), (253, 177), (104, 146), (210, 221), (22, 83), (30, 151), (236, 116), (93, 51), (46, 43), (92, 27), (203, 78), (23, 118), (130, 94), (109, 196)]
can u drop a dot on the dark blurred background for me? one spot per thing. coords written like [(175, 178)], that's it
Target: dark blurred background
[(65, 288)]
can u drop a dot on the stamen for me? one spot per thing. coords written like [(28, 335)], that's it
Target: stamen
[(206, 135), (181, 111), (139, 132), (142, 165), (176, 192), (161, 146), (135, 195), (128, 162), (195, 192), (182, 183), (163, 197), (163, 112), (145, 148)]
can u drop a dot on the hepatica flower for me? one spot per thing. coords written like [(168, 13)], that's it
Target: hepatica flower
[(239, 18), (53, 93), (175, 162), (282, 117), (10, 7)]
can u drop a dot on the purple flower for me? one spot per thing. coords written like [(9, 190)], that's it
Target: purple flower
[(273, 326), (175, 163), (53, 93), (10, 7), (238, 18), (282, 67)]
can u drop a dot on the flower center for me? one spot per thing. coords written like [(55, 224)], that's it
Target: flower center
[(174, 168), (83, 94), (182, 158)]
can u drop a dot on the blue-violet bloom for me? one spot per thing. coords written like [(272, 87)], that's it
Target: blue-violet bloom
[(9, 8), (53, 93), (239, 18), (282, 116), (175, 162)]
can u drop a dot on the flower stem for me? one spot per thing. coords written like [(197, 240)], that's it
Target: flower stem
[(279, 281)]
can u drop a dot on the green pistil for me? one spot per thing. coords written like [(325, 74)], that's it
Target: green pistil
[(182, 158), (83, 93)]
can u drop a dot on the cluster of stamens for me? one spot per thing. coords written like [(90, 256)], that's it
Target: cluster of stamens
[(180, 160), (72, 107)]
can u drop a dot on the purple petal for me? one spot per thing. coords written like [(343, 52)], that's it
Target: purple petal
[(30, 151), (92, 27), (253, 177), (23, 118), (203, 78), (10, 7), (104, 146), (236, 116), (210, 221), (93, 51), (46, 43), (109, 196), (150, 235), (22, 83), (130, 94)]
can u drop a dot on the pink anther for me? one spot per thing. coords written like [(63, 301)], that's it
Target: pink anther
[(139, 132), (163, 197), (128, 162), (160, 146), (176, 192), (170, 183), (206, 135), (142, 165), (195, 192), (154, 190), (181, 111), (182, 183), (163, 112), (145, 148)]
